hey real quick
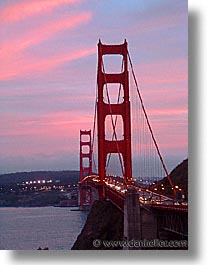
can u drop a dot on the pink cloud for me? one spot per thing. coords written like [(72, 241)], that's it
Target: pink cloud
[(172, 134), (16, 62), (162, 72), (19, 11), (38, 35), (167, 112), (61, 124), (163, 86), (178, 91), (34, 66), (54, 132)]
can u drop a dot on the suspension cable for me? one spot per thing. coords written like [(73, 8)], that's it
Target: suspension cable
[(148, 123)]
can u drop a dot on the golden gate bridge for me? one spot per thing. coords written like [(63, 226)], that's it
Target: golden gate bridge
[(121, 130)]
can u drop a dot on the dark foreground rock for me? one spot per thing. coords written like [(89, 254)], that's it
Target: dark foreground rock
[(104, 222)]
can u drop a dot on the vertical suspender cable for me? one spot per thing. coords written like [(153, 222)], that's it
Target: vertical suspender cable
[(149, 126), (94, 128)]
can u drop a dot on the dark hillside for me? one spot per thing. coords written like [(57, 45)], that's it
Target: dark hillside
[(179, 177)]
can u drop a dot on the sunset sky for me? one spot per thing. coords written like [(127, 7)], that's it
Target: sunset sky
[(48, 74)]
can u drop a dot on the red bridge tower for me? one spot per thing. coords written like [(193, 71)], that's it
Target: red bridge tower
[(85, 168), (122, 146)]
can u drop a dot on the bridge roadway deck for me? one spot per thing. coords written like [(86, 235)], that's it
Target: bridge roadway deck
[(117, 196)]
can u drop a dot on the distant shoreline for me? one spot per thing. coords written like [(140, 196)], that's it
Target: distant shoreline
[(42, 198)]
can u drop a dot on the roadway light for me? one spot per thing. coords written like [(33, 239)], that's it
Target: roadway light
[(176, 187)]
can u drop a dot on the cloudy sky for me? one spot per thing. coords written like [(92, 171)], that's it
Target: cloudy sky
[(48, 53)]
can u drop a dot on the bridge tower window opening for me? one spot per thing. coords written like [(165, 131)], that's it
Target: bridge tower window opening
[(85, 149), (113, 63), (114, 93), (85, 138), (86, 162), (109, 130), (113, 165)]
